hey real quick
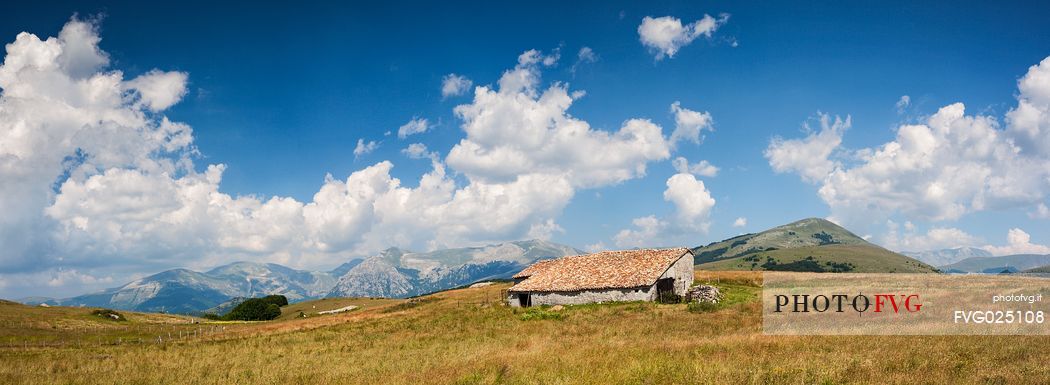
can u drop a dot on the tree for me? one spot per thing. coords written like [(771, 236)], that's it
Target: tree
[(276, 299), (258, 309)]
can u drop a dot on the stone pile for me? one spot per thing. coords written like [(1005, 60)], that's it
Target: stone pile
[(703, 293)]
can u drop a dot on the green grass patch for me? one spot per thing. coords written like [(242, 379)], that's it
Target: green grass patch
[(540, 313), (703, 307)]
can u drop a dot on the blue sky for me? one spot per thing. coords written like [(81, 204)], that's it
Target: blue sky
[(282, 96)]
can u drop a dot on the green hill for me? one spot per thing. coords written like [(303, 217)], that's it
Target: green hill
[(812, 244)]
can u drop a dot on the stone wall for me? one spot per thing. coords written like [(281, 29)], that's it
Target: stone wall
[(587, 296), (682, 272)]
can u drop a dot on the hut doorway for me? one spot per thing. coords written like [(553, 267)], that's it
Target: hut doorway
[(665, 291), (524, 300)]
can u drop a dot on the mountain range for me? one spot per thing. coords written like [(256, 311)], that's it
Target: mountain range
[(391, 273), (947, 256), (967, 260), (995, 265), (398, 273)]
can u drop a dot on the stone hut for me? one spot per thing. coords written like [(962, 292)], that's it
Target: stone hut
[(624, 275)]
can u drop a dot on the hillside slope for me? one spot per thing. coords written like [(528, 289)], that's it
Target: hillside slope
[(813, 244)]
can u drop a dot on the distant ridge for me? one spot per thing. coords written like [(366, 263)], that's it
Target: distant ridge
[(995, 265), (947, 256), (399, 273)]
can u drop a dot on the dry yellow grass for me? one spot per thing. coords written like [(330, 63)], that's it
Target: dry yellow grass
[(310, 308), (455, 340)]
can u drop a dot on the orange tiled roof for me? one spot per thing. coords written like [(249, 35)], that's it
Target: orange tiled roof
[(604, 270)]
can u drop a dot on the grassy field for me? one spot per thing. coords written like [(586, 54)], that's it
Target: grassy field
[(22, 325), (463, 337), (310, 308)]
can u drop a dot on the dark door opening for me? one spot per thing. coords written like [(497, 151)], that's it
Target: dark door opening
[(524, 300), (665, 291)]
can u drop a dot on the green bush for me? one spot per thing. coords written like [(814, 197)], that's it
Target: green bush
[(258, 309), (276, 299)]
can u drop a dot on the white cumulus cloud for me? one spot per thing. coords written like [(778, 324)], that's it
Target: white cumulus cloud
[(1029, 122), (689, 124), (740, 222), (947, 166), (693, 204), (455, 85), (521, 129), (703, 168), (159, 90), (1018, 242), (809, 157), (664, 36), (952, 165), (364, 147), (936, 238), (64, 118), (418, 151), (414, 126)]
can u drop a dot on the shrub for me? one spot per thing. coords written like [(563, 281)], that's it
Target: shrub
[(276, 299), (256, 309), (109, 314), (825, 238)]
